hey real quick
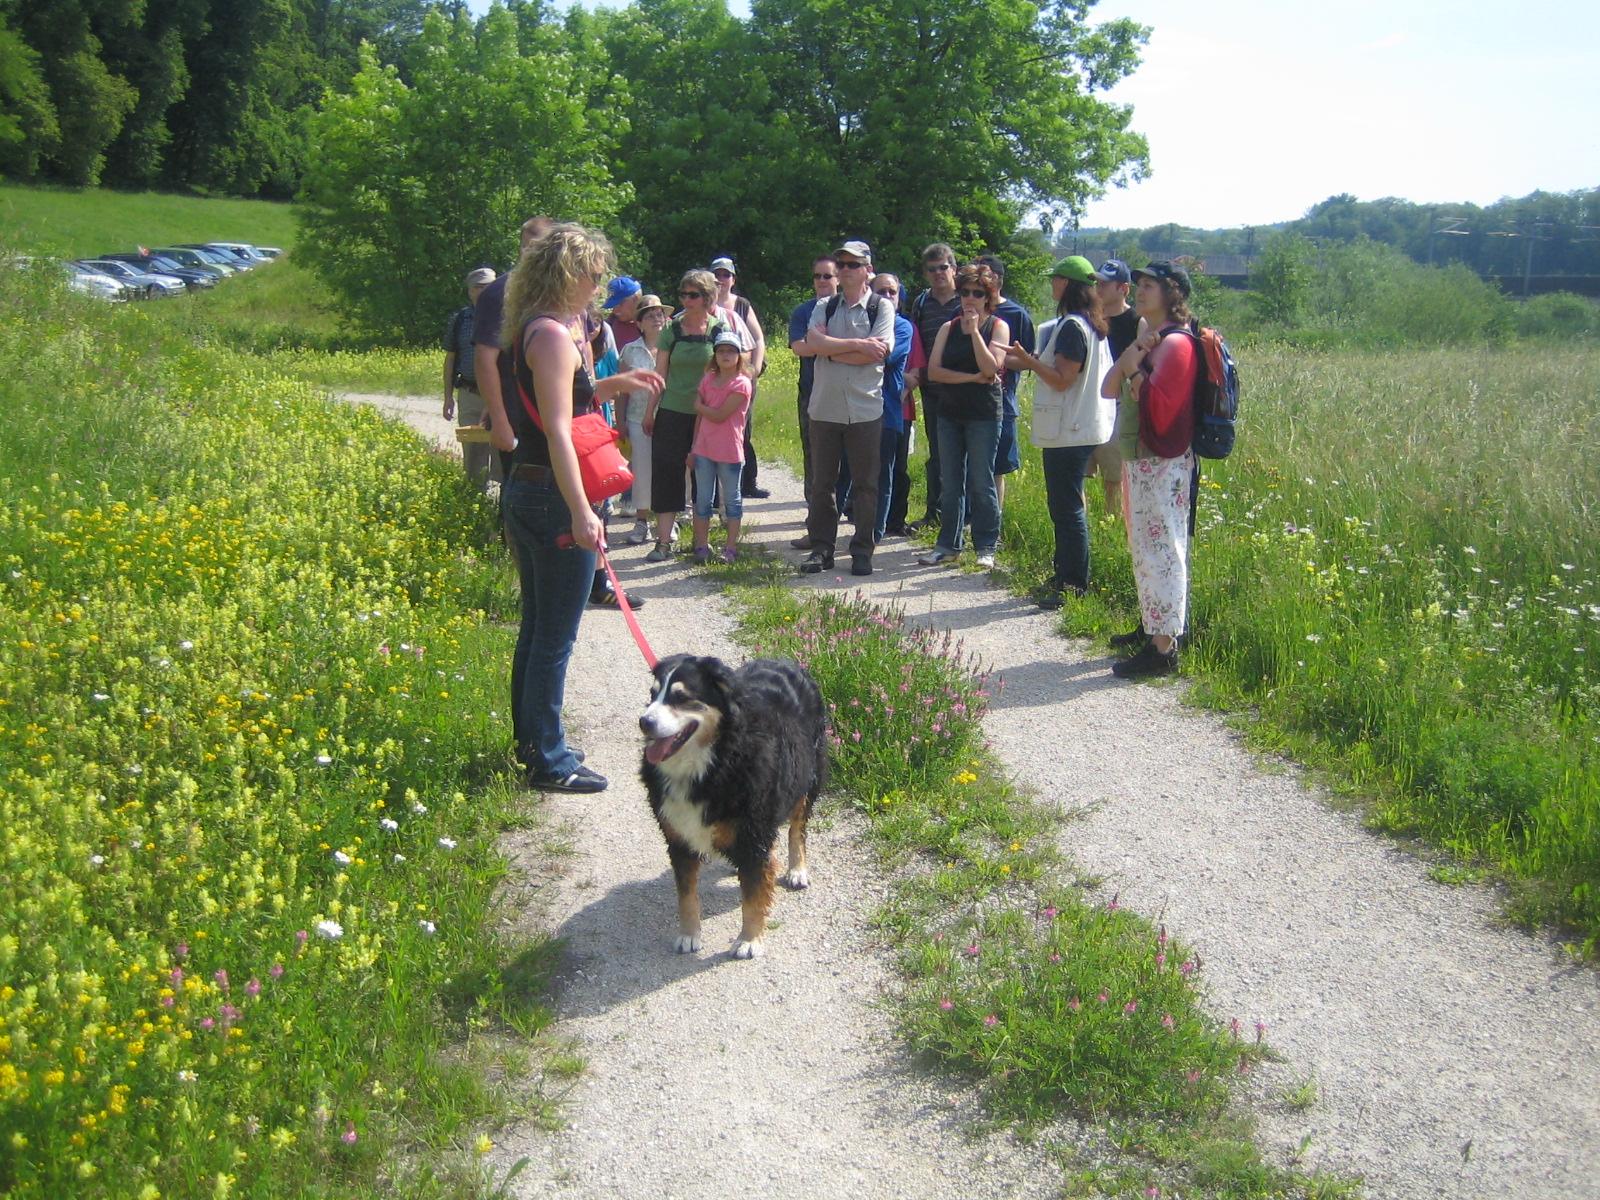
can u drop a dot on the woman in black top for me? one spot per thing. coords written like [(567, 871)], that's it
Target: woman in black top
[(967, 359), (553, 529)]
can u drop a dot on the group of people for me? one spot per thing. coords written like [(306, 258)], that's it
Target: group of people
[(682, 384)]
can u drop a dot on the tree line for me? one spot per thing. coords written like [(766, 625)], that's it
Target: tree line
[(416, 135), (1543, 233)]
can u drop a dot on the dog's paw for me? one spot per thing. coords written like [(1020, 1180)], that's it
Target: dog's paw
[(748, 949), (687, 943), (797, 879)]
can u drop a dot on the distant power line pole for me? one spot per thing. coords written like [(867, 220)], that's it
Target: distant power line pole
[(1448, 226), (1531, 232)]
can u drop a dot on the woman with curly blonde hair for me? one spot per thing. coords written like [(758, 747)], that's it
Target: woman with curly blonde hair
[(552, 528)]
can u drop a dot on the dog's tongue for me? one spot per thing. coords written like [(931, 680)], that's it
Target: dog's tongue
[(658, 751)]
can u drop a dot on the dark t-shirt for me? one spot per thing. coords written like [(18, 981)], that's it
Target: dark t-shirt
[(458, 341), (929, 316), (799, 322), (1021, 325), (1071, 345), (486, 332), (1122, 330)]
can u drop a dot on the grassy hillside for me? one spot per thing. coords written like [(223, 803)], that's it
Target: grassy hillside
[(78, 222)]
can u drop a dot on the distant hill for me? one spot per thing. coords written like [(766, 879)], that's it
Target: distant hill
[(78, 222)]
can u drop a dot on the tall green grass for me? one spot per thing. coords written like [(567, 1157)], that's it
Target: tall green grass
[(242, 707)]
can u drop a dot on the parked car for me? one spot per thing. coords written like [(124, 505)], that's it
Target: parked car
[(242, 248), (193, 259), (92, 283), (216, 254), (147, 286), (269, 251), (193, 279)]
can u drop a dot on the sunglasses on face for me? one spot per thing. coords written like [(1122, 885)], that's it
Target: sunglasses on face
[(935, 268), (814, 275), (685, 294), (975, 293), (852, 266)]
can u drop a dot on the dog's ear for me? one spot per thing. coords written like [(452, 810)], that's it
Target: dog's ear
[(720, 677)]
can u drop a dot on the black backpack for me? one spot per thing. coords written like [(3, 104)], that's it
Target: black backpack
[(874, 307)]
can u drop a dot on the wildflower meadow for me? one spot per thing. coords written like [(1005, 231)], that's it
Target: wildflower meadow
[(240, 716)]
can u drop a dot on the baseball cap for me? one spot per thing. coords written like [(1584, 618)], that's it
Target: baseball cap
[(481, 275), (856, 250), (723, 264), (727, 337), (1168, 270), (1114, 270), (1076, 268), (621, 288)]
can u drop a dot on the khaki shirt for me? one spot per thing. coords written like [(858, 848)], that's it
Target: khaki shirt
[(840, 392)]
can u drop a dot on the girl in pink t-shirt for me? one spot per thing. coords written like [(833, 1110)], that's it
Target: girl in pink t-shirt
[(723, 407)]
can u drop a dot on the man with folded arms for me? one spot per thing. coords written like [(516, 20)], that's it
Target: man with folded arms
[(846, 410)]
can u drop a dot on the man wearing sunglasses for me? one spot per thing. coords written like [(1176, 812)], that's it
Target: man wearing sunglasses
[(935, 308), (851, 343), (825, 285)]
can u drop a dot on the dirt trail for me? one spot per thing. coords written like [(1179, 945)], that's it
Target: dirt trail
[(1451, 1057)]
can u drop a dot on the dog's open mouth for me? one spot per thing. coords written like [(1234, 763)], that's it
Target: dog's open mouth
[(661, 749)]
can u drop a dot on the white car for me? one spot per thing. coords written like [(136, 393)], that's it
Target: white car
[(244, 249), (92, 283)]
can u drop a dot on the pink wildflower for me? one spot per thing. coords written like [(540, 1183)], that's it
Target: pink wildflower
[(990, 1021), (300, 936), (1074, 1004), (972, 950), (349, 1135), (1161, 961), (1193, 1076), (208, 1024), (253, 988), (181, 949), (1131, 1007), (1167, 1022), (276, 970), (1055, 958), (1112, 905), (1187, 968), (176, 977), (1102, 997), (1050, 912), (946, 1004), (1261, 1031), (1233, 1026), (222, 981)]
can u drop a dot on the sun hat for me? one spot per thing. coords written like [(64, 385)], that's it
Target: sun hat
[(1165, 270), (481, 275), (621, 288), (646, 302), (1114, 270), (1076, 268)]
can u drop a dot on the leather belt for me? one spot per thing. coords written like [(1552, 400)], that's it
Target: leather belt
[(532, 473)]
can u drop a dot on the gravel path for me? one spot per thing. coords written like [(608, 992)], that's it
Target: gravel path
[(1451, 1057)]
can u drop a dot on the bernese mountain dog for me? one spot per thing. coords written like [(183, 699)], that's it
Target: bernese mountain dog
[(730, 756)]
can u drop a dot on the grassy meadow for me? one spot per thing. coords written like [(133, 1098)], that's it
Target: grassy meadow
[(80, 222), (1397, 578), (243, 703)]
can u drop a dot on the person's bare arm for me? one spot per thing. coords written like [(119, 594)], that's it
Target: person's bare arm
[(486, 361), (449, 384)]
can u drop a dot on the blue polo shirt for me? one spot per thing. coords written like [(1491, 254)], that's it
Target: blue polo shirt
[(1021, 326), (894, 377)]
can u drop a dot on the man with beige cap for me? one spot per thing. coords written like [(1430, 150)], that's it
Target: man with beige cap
[(461, 378)]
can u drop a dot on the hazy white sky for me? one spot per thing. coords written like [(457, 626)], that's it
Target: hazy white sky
[(1257, 109)]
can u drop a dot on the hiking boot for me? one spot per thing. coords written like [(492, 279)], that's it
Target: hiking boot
[(803, 542), (1147, 664), (1131, 640), (861, 564), (816, 562)]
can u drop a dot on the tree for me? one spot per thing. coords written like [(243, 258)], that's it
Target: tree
[(410, 186), (28, 125), (1280, 280)]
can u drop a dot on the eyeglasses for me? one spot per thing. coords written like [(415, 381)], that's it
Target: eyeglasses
[(686, 294), (814, 275), (974, 293), (852, 266), (935, 268)]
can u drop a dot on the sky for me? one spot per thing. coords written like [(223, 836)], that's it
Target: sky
[(1255, 110)]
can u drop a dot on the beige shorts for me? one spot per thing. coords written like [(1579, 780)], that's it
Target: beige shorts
[(1106, 461)]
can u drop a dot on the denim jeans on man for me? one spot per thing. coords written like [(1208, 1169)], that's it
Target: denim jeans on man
[(966, 461), (889, 467), (555, 588), (1063, 488)]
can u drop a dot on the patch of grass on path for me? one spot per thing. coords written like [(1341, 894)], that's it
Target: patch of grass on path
[(1060, 1005)]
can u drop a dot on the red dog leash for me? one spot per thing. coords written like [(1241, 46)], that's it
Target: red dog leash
[(566, 541)]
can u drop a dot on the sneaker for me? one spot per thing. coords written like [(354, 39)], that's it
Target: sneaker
[(606, 597), (936, 557), (1147, 664), (638, 535), (661, 553), (730, 555), (986, 561), (816, 562), (1131, 640), (702, 555), (582, 782)]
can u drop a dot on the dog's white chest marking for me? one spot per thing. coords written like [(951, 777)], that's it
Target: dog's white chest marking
[(686, 818)]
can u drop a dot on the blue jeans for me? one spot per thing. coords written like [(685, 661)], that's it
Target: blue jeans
[(1063, 489), (555, 588), (708, 475), (888, 466), (966, 463)]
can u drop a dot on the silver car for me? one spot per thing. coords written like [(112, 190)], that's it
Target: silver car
[(147, 285)]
